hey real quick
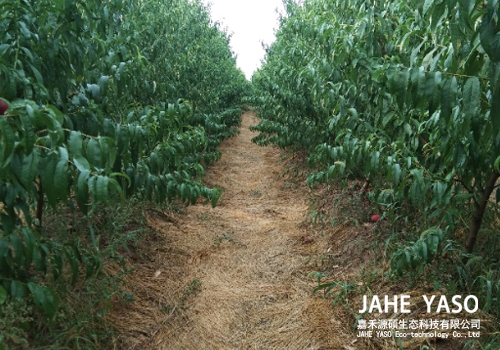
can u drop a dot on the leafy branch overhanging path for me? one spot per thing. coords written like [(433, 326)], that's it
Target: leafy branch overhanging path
[(239, 267)]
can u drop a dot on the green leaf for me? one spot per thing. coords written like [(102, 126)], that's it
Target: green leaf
[(82, 191), (29, 133), (103, 84), (75, 143), (36, 73), (39, 258), (29, 170), (18, 247), (3, 49), (215, 195), (30, 244), (396, 173), (88, 267), (48, 181), (421, 89), (81, 163), (117, 188), (61, 176), (427, 6), (108, 151), (8, 140), (401, 86), (448, 97), (122, 138), (73, 263), (495, 109), (59, 4), (94, 90), (497, 164), (3, 295), (182, 190), (387, 118), (44, 298), (425, 251), (51, 304), (102, 189), (37, 293), (94, 153), (17, 289), (57, 113), (57, 264), (471, 95)]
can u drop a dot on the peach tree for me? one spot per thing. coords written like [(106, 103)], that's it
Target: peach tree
[(402, 94), (105, 100)]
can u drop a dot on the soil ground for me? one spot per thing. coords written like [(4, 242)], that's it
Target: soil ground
[(234, 277)]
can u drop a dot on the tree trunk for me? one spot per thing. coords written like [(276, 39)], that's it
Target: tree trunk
[(480, 209), (365, 186)]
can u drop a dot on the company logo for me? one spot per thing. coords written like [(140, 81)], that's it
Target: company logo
[(418, 328), (401, 303)]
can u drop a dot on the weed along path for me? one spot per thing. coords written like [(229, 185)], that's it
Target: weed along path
[(233, 277)]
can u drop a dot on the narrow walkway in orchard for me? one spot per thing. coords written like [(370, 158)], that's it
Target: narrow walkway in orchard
[(234, 277)]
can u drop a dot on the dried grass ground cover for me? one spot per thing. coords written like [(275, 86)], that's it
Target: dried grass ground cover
[(233, 277)]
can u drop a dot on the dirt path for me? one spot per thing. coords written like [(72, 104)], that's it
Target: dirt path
[(238, 270)]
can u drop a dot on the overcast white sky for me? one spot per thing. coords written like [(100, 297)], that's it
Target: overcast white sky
[(250, 21)]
